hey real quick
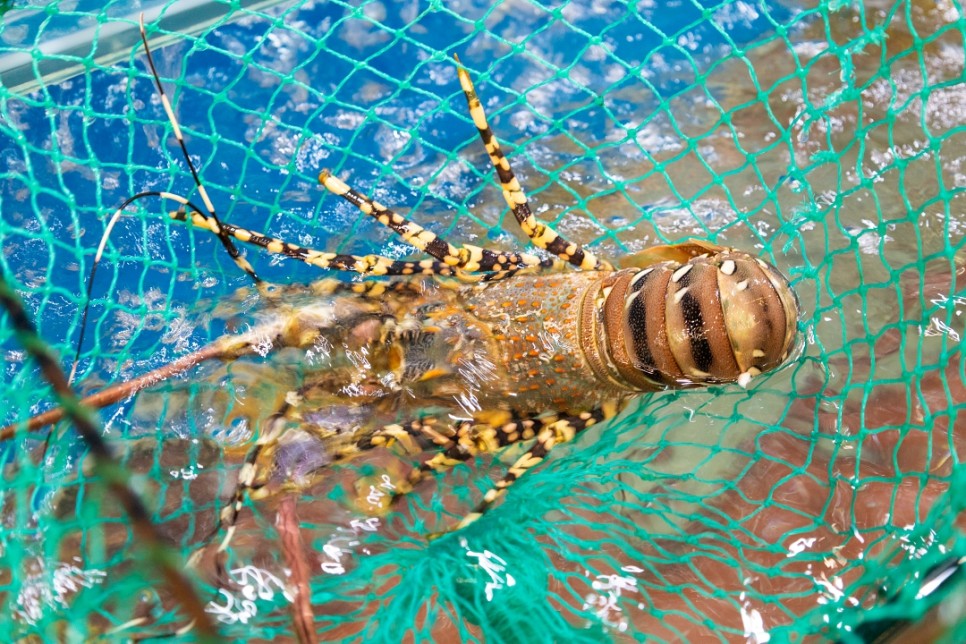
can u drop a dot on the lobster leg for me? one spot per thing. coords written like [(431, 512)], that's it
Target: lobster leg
[(551, 431), (364, 264), (249, 480), (466, 257), (470, 439), (457, 445), (274, 428), (540, 234)]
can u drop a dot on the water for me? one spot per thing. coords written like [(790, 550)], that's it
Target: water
[(749, 509)]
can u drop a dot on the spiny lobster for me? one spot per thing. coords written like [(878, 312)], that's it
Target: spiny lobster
[(510, 346)]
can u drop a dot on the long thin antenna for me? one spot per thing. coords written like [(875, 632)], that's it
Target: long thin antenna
[(97, 259), (225, 238), (210, 207)]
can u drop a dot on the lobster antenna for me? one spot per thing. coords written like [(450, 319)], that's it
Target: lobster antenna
[(210, 207), (226, 240), (100, 252)]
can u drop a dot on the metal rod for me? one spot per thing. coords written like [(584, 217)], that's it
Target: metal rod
[(27, 67)]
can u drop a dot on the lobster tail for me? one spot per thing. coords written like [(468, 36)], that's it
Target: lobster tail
[(722, 317)]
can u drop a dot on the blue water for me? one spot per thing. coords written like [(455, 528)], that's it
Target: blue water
[(369, 92)]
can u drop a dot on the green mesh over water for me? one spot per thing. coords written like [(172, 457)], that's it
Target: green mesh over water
[(827, 136)]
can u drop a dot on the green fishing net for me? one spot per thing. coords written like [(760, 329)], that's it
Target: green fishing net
[(826, 136)]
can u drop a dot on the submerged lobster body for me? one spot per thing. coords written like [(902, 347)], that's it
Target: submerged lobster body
[(500, 359), (565, 342), (461, 354)]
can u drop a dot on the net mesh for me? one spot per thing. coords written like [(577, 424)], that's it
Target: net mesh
[(826, 136)]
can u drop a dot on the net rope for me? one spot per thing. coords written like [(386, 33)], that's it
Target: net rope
[(827, 136)]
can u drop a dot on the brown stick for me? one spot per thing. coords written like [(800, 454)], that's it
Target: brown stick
[(293, 551), (157, 550), (122, 390)]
